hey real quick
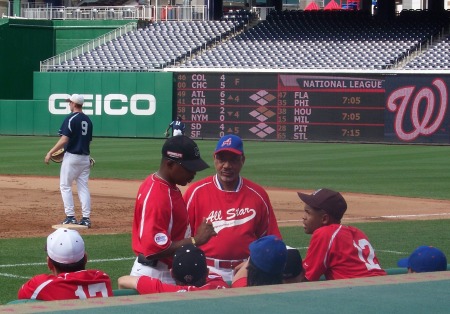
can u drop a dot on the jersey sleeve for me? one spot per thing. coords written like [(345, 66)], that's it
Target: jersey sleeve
[(315, 260), (268, 223), (29, 288), (64, 129), (241, 282), (188, 199), (148, 285), (155, 236)]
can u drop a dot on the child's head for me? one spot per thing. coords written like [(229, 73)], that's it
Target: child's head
[(424, 259), (322, 207)]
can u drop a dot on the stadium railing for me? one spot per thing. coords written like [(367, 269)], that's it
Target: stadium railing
[(136, 12), (70, 54)]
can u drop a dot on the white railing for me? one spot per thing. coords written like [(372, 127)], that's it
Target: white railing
[(140, 12), (5, 8), (70, 54), (262, 12)]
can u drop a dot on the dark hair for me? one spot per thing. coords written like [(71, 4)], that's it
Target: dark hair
[(256, 277), (198, 283), (69, 268)]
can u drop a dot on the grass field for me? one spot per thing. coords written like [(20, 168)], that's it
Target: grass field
[(403, 170)]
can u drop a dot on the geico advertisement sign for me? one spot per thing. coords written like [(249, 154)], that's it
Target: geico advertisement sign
[(111, 104)]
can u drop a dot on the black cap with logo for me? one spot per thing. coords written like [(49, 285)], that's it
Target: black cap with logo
[(185, 151), (189, 265)]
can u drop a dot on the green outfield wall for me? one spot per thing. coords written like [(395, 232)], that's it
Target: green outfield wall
[(135, 104), (25, 43)]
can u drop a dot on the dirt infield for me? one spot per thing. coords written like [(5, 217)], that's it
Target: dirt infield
[(29, 206)]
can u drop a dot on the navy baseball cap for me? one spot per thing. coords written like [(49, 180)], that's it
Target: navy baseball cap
[(425, 259), (185, 151), (330, 201), (268, 254), (231, 143), (189, 264), (294, 262)]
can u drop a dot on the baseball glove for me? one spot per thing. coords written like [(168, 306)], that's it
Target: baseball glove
[(58, 156), (92, 161)]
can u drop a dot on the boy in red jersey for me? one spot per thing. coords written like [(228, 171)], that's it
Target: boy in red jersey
[(189, 272), (69, 280), (335, 250), (160, 223), (239, 209)]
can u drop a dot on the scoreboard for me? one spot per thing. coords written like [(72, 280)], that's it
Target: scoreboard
[(277, 106)]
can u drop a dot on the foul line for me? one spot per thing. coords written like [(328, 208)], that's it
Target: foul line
[(397, 216), (90, 261), (13, 276), (378, 217)]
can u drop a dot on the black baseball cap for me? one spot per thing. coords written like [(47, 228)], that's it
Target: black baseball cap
[(185, 151), (189, 264), (294, 262), (332, 202)]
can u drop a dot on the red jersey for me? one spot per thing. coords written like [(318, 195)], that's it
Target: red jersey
[(241, 282), (239, 217), (147, 285), (82, 284), (340, 252), (160, 217)]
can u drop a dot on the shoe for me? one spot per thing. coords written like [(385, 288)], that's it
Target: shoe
[(85, 222), (70, 220)]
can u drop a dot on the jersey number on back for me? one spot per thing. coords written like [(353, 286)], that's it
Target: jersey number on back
[(84, 127), (92, 291), (368, 261)]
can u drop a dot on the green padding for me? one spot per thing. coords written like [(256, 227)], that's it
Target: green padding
[(396, 271), (121, 292), (24, 301)]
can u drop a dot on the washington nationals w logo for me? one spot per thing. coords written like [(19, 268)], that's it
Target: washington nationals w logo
[(425, 113)]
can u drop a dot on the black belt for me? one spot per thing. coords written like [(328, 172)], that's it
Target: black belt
[(147, 262)]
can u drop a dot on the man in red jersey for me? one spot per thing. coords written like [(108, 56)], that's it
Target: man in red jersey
[(189, 272), (66, 258), (239, 209), (335, 251), (160, 224)]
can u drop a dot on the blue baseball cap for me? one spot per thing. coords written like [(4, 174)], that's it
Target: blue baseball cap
[(268, 254), (425, 259), (231, 143)]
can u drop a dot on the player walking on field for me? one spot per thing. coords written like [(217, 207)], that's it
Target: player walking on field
[(75, 137), (177, 126), (66, 259), (239, 209), (335, 250), (160, 223)]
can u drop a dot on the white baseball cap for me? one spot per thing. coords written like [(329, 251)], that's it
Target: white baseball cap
[(65, 246), (76, 98)]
